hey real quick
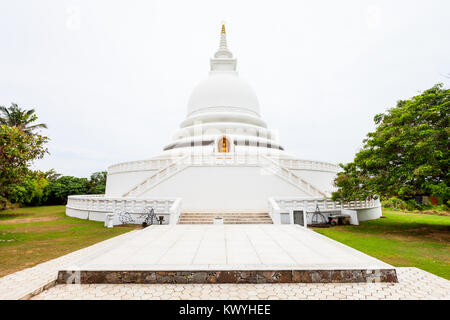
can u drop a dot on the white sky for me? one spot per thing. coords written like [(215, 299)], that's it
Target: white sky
[(112, 78)]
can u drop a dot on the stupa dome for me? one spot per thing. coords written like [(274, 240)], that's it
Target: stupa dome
[(223, 90)]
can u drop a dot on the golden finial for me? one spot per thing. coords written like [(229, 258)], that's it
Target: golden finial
[(223, 28)]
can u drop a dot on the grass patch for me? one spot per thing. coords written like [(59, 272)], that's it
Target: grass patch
[(29, 236), (401, 239)]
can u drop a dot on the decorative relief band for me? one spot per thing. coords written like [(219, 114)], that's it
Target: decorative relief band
[(229, 276)]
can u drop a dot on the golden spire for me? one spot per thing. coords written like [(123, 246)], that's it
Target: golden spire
[(223, 60)]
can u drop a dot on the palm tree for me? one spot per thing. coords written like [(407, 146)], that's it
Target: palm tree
[(16, 117), (51, 175)]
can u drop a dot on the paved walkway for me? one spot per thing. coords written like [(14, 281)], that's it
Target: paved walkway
[(228, 247), (413, 284)]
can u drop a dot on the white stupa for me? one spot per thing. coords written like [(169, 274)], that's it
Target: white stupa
[(222, 159)]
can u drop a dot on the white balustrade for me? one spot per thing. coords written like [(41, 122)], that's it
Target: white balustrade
[(140, 165), (285, 205), (217, 159), (292, 177), (100, 203), (306, 164)]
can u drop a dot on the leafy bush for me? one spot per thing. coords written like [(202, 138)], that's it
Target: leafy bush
[(412, 205), (66, 186), (395, 203), (49, 188), (32, 191), (62, 187)]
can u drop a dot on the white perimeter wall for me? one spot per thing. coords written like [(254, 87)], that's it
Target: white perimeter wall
[(369, 214), (224, 189)]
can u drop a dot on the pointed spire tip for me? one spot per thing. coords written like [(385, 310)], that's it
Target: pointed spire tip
[(223, 28)]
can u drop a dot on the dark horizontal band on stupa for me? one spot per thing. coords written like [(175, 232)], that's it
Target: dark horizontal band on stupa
[(211, 142)]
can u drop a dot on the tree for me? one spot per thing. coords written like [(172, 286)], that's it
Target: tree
[(38, 188), (59, 188), (21, 119), (407, 155), (32, 191), (51, 175), (97, 183), (65, 186), (17, 150)]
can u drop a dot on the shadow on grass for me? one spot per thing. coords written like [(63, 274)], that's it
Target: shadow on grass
[(8, 216)]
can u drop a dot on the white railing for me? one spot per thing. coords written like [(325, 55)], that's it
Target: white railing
[(307, 164), (285, 205), (288, 175), (158, 164), (159, 176), (100, 203), (140, 165), (218, 159)]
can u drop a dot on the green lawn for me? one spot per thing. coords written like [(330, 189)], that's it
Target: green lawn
[(29, 236), (401, 239)]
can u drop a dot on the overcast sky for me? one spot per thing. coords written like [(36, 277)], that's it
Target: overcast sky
[(112, 78)]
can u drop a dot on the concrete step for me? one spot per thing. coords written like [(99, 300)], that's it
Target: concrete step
[(225, 222), (226, 213), (188, 222), (225, 217), (187, 219), (228, 218), (253, 222)]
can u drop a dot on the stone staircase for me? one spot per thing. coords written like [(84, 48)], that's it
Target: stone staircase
[(228, 218), (158, 177), (287, 174)]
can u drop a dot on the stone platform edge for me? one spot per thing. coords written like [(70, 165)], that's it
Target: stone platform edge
[(229, 276)]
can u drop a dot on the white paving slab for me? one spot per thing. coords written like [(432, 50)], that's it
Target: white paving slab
[(227, 247)]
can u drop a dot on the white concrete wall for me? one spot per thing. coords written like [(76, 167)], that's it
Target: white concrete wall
[(369, 214), (320, 179), (353, 216), (224, 189), (119, 183), (86, 214), (76, 213)]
